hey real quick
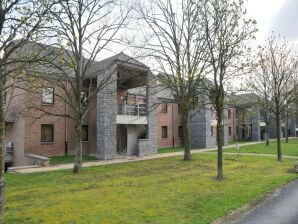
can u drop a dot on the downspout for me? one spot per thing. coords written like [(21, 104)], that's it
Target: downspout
[(173, 134), (65, 121)]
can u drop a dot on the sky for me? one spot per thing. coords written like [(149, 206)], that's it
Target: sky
[(278, 16)]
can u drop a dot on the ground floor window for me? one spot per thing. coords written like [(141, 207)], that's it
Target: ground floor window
[(212, 132), (180, 132), (47, 133), (85, 133), (164, 131), (230, 131)]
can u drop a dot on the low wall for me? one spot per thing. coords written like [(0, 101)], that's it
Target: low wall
[(145, 148), (33, 159)]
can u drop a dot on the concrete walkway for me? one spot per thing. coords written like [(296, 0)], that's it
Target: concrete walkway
[(281, 208), (132, 159)]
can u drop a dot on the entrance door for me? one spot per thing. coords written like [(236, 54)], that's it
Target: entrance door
[(121, 139)]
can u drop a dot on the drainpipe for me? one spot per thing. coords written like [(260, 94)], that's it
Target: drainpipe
[(173, 125), (65, 122)]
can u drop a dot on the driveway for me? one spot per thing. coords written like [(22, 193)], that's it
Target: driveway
[(281, 208)]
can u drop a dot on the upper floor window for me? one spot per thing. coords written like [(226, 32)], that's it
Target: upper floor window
[(47, 133), (179, 109), (229, 114), (48, 95), (84, 96), (4, 98), (164, 108)]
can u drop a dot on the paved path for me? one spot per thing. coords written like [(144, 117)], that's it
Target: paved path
[(253, 154), (282, 208), (129, 159)]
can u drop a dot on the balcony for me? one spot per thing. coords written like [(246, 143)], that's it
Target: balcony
[(132, 114)]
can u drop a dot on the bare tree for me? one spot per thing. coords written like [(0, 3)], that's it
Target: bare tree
[(257, 83), (20, 20), (279, 68), (176, 46), (84, 29), (226, 31)]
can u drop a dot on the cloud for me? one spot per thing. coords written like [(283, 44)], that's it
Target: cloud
[(285, 22)]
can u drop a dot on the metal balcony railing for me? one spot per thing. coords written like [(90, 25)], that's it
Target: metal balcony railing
[(132, 110)]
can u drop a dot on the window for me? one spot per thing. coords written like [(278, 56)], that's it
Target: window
[(83, 98), (164, 131), (180, 133), (47, 133), (229, 114), (48, 95), (179, 109), (164, 108), (211, 131), (85, 133), (237, 130), (230, 131), (4, 97)]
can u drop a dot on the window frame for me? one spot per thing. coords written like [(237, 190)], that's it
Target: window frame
[(42, 95), (4, 99), (164, 108), (41, 134), (179, 109), (180, 131), (230, 130), (162, 132), (84, 126)]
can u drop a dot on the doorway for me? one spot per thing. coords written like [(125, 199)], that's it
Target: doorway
[(122, 139)]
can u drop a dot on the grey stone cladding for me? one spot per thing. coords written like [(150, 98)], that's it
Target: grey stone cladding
[(255, 124), (200, 128), (145, 148), (106, 116), (151, 114)]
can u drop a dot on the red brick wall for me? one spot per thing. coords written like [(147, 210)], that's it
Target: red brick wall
[(172, 120), (35, 118)]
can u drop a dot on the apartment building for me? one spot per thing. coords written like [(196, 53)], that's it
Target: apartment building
[(130, 116), (245, 120)]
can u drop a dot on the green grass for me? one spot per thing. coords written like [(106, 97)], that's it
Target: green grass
[(168, 150), (238, 141), (290, 148), (69, 159), (158, 191)]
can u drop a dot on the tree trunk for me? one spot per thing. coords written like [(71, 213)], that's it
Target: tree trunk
[(267, 135), (279, 156), (2, 154), (219, 136), (78, 146), (186, 135)]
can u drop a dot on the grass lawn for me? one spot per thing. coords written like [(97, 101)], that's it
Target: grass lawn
[(167, 150), (69, 159), (290, 148), (159, 191), (180, 149), (238, 141)]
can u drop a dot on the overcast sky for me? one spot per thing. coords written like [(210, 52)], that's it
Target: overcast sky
[(280, 16)]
